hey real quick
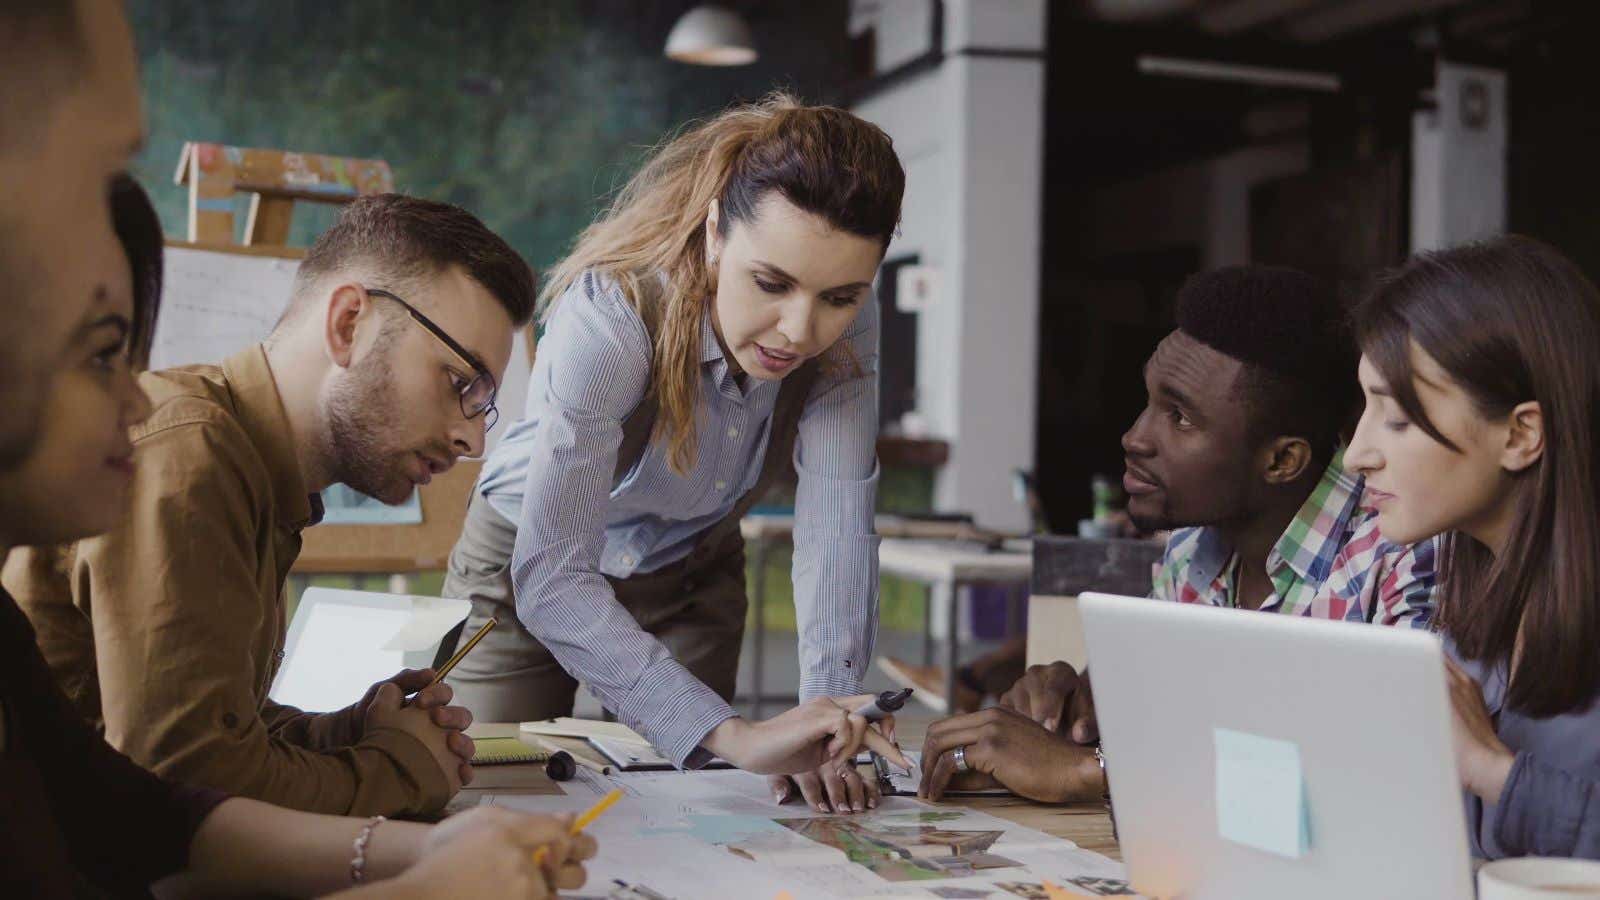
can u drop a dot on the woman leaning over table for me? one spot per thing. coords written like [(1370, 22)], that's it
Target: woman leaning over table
[(713, 328)]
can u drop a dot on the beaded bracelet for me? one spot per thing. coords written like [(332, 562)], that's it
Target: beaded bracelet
[(358, 863)]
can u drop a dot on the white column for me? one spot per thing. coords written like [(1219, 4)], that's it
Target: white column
[(1458, 171), (971, 135)]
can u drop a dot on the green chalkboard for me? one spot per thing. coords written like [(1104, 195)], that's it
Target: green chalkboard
[(527, 113)]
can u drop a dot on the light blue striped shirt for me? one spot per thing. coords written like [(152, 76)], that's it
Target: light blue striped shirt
[(591, 371)]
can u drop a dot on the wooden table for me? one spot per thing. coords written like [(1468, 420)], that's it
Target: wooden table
[(1086, 824)]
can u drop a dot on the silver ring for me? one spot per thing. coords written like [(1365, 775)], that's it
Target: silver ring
[(960, 756)]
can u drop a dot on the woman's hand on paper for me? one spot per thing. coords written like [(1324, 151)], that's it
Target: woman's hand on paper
[(823, 732), (1483, 760), (829, 790), (488, 852), (834, 790)]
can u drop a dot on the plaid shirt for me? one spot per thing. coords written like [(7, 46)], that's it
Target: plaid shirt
[(1331, 563)]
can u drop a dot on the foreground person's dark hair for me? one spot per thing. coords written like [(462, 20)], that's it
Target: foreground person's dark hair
[(1512, 320)]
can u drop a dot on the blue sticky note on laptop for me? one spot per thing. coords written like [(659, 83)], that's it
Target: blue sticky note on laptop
[(1261, 793)]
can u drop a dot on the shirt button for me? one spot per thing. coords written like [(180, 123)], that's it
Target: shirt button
[(627, 560), (722, 485), (733, 432)]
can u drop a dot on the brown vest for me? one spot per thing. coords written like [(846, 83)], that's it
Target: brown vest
[(776, 463)]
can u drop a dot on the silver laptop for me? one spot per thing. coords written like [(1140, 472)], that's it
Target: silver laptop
[(342, 642), (1253, 755)]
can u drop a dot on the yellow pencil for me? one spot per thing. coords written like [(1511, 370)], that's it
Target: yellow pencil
[(587, 819), (584, 821), (465, 649)]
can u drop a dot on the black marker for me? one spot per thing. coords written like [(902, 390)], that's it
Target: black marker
[(885, 704)]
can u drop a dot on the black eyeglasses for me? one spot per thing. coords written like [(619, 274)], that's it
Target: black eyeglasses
[(477, 398)]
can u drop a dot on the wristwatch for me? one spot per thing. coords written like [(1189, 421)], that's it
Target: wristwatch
[(1100, 757)]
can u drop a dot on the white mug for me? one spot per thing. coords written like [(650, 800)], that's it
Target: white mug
[(1538, 878)]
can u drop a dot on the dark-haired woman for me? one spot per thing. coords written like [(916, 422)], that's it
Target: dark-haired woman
[(713, 328), (1481, 368)]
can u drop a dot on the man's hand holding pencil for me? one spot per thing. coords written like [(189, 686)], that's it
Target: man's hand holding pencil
[(424, 690)]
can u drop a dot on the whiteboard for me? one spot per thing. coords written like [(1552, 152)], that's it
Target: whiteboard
[(215, 304)]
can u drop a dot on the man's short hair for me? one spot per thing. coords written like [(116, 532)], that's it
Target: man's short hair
[(42, 53), (1291, 332), (406, 240)]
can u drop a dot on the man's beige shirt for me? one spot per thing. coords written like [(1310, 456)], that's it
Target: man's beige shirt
[(168, 630)]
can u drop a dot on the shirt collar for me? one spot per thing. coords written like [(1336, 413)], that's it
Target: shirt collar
[(710, 347), (711, 356), (1322, 519), (1211, 554), (260, 412)]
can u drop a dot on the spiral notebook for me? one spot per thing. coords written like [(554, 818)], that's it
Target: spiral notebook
[(505, 750)]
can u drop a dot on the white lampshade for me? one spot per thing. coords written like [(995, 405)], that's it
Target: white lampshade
[(711, 36)]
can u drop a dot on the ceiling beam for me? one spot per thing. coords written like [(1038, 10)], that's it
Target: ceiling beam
[(1231, 16), (1354, 15), (1261, 76)]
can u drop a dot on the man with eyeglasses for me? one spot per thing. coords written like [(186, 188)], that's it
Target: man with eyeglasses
[(168, 630)]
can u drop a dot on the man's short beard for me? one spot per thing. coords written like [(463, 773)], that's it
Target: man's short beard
[(358, 416)]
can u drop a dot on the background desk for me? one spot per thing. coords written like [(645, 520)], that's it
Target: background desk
[(947, 567), (945, 556), (1086, 824), (1063, 568)]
